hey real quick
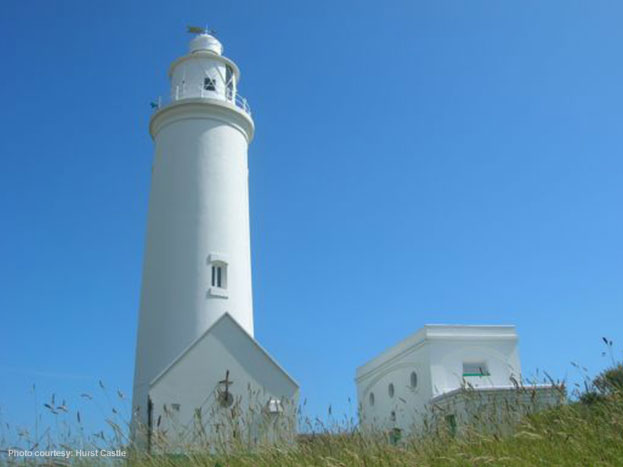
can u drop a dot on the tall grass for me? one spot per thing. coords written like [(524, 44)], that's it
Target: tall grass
[(586, 431)]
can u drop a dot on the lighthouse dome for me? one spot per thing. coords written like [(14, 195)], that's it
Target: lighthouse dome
[(206, 43)]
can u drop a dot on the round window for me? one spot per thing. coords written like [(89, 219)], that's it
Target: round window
[(413, 380), (225, 399), (371, 398), (390, 389)]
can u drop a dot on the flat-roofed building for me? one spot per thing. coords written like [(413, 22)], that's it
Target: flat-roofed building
[(449, 372)]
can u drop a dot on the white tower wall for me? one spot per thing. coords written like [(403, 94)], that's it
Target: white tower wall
[(198, 217)]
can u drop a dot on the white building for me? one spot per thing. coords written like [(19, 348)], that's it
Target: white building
[(197, 263), (222, 389), (457, 373)]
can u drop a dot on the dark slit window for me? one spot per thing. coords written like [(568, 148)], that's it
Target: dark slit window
[(217, 276)]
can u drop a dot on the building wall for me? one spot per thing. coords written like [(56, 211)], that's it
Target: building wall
[(408, 403), (492, 410), (198, 214), (436, 354), (447, 356), (189, 410)]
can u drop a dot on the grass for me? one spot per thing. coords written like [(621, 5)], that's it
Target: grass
[(573, 434), (587, 431)]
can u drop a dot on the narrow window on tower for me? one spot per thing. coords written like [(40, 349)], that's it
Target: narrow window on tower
[(209, 84), (218, 275)]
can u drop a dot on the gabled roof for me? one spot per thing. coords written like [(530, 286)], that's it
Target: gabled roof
[(226, 317), (430, 332)]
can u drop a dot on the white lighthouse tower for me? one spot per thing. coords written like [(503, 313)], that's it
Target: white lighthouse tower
[(197, 263)]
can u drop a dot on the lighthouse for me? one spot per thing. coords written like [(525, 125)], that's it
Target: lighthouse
[(196, 284)]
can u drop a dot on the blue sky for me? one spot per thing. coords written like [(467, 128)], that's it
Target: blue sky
[(427, 162)]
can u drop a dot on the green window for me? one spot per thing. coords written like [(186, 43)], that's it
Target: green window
[(475, 369)]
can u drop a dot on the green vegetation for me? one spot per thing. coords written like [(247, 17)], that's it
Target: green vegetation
[(574, 434), (587, 432)]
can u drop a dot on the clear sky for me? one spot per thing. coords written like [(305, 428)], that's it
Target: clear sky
[(419, 162)]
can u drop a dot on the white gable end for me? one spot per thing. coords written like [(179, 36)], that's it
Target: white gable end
[(224, 382)]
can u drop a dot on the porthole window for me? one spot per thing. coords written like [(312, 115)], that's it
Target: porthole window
[(413, 380), (371, 398), (390, 389), (226, 399)]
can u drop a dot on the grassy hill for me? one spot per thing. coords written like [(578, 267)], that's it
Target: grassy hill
[(587, 432), (575, 434)]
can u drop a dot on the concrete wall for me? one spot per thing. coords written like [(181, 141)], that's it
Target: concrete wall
[(491, 410)]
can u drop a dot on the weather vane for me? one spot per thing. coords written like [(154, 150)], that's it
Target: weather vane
[(199, 30)]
